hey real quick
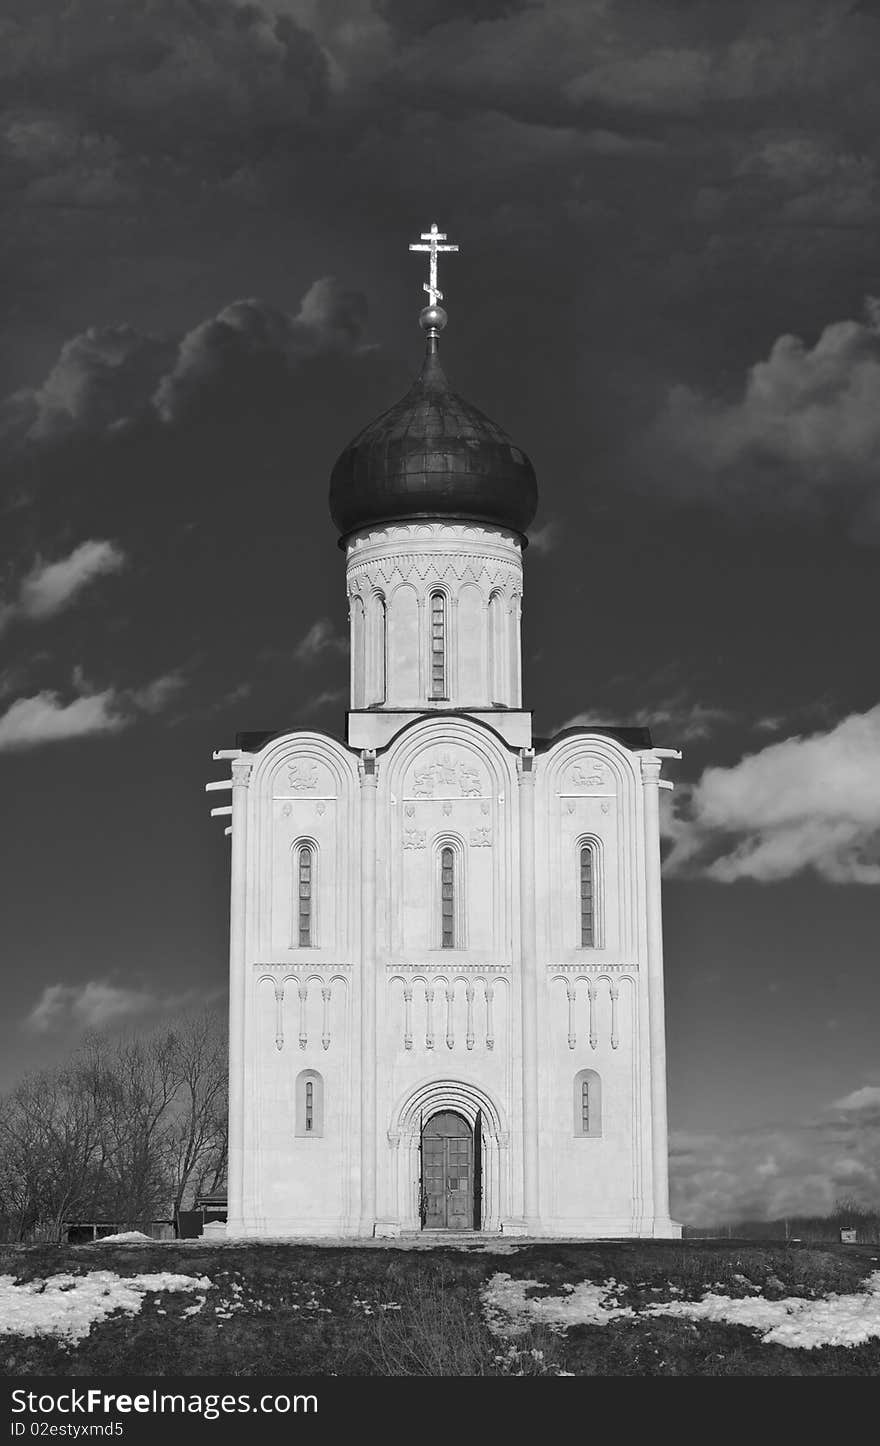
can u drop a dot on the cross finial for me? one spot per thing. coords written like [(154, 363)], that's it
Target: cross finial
[(431, 242)]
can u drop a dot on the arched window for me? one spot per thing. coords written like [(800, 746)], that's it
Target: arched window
[(309, 1104), (588, 895), (447, 898), (304, 883), (449, 924), (587, 1103), (439, 687)]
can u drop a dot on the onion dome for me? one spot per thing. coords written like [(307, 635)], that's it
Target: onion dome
[(433, 455)]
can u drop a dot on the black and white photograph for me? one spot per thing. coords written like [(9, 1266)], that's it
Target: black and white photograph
[(439, 699)]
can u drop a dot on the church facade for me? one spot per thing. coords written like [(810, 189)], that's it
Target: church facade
[(446, 966)]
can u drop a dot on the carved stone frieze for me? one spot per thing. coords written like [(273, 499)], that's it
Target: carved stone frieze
[(591, 772), (303, 775), (447, 773)]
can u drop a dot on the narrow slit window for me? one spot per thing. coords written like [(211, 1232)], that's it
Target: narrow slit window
[(587, 1104), (309, 1116), (438, 645), (447, 898), (305, 897), (588, 914)]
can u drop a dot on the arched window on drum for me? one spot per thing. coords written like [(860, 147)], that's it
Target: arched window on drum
[(439, 654)]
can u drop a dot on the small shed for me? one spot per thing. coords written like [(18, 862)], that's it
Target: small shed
[(207, 1207)]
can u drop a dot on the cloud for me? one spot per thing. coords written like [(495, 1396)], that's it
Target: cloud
[(676, 718), (320, 638), (45, 717), (251, 345), (321, 700), (546, 538), (773, 1172), (802, 803), (102, 377), (201, 72), (866, 1098), (95, 1005), (805, 432), (157, 694), (50, 587), (108, 378), (811, 180)]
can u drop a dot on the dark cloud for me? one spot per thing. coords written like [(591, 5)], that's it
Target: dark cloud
[(250, 349), (417, 17), (770, 1172), (240, 360), (802, 436)]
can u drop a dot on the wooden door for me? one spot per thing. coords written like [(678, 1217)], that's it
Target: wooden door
[(448, 1172)]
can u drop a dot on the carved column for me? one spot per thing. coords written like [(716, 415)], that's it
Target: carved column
[(369, 780), (651, 784), (528, 990), (238, 982)]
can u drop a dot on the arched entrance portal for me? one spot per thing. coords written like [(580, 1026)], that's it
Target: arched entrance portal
[(491, 1158), (451, 1173)]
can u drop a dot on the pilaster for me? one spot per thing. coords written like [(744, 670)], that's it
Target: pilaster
[(238, 979), (651, 764), (529, 991), (368, 985)]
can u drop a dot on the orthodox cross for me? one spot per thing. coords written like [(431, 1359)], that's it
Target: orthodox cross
[(433, 239)]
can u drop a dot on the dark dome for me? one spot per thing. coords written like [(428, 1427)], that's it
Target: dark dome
[(432, 455)]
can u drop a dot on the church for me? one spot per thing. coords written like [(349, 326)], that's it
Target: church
[(446, 1007)]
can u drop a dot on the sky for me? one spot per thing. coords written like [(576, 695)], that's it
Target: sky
[(668, 292)]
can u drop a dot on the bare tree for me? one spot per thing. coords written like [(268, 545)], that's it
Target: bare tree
[(127, 1129), (52, 1148), (197, 1138)]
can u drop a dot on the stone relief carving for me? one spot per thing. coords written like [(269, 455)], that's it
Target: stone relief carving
[(303, 775), (481, 837), (447, 772), (413, 838), (590, 773)]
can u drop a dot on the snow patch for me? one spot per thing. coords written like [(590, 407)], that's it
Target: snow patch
[(835, 1320), (69, 1305), (124, 1237), (805, 1324), (510, 1312)]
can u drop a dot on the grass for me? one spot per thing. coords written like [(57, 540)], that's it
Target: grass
[(309, 1310)]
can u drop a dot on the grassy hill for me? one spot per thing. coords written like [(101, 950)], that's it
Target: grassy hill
[(621, 1308)]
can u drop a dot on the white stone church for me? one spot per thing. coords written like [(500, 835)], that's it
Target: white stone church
[(446, 968)]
